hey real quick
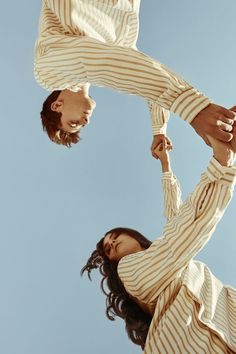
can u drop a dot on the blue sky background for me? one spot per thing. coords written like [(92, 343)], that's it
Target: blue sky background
[(56, 202)]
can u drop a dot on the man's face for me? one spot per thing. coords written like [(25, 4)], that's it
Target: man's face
[(75, 110)]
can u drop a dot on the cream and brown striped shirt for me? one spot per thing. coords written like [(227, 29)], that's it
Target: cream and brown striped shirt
[(193, 312), (172, 195), (94, 41)]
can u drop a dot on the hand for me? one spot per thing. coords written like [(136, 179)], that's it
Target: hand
[(157, 140), (233, 109), (224, 153), (215, 121), (162, 153), (233, 141)]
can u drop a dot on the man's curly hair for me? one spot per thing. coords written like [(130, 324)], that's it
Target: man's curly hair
[(51, 122)]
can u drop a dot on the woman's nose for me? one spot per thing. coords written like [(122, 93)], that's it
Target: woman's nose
[(113, 242)]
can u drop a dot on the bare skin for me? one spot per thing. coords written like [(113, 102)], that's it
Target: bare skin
[(157, 140), (214, 120), (116, 247), (76, 109), (162, 153), (122, 245), (224, 153)]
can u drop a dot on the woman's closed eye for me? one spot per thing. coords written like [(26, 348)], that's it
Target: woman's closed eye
[(107, 248)]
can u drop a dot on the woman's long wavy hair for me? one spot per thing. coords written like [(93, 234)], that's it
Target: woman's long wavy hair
[(118, 301)]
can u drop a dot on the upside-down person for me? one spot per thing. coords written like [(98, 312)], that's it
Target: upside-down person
[(93, 42)]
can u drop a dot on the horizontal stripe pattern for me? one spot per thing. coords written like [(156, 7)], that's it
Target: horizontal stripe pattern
[(94, 41), (192, 311)]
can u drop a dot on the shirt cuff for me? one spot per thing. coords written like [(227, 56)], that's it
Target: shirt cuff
[(168, 176), (159, 129), (215, 171), (189, 104)]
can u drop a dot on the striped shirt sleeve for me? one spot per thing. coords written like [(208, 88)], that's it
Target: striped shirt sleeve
[(146, 274), (159, 117), (64, 11), (171, 195), (70, 60)]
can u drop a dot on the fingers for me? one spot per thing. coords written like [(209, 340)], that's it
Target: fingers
[(223, 135), (227, 120), (227, 113), (169, 142), (165, 146), (233, 141), (224, 126), (160, 144), (155, 155), (154, 151), (160, 147), (233, 109)]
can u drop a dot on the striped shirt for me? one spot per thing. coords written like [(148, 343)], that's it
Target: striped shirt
[(193, 312), (94, 41), (172, 195)]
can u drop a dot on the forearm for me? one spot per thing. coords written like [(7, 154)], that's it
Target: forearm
[(159, 117), (165, 165), (133, 72), (183, 237), (171, 194), (70, 61), (123, 69)]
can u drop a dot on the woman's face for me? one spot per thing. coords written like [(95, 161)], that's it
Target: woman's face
[(116, 247)]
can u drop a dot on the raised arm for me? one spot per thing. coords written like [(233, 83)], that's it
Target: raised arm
[(159, 118), (66, 59), (170, 184), (184, 235)]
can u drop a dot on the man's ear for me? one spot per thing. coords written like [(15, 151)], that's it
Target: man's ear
[(57, 106)]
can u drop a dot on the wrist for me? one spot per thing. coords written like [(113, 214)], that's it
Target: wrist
[(165, 166), (226, 160)]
